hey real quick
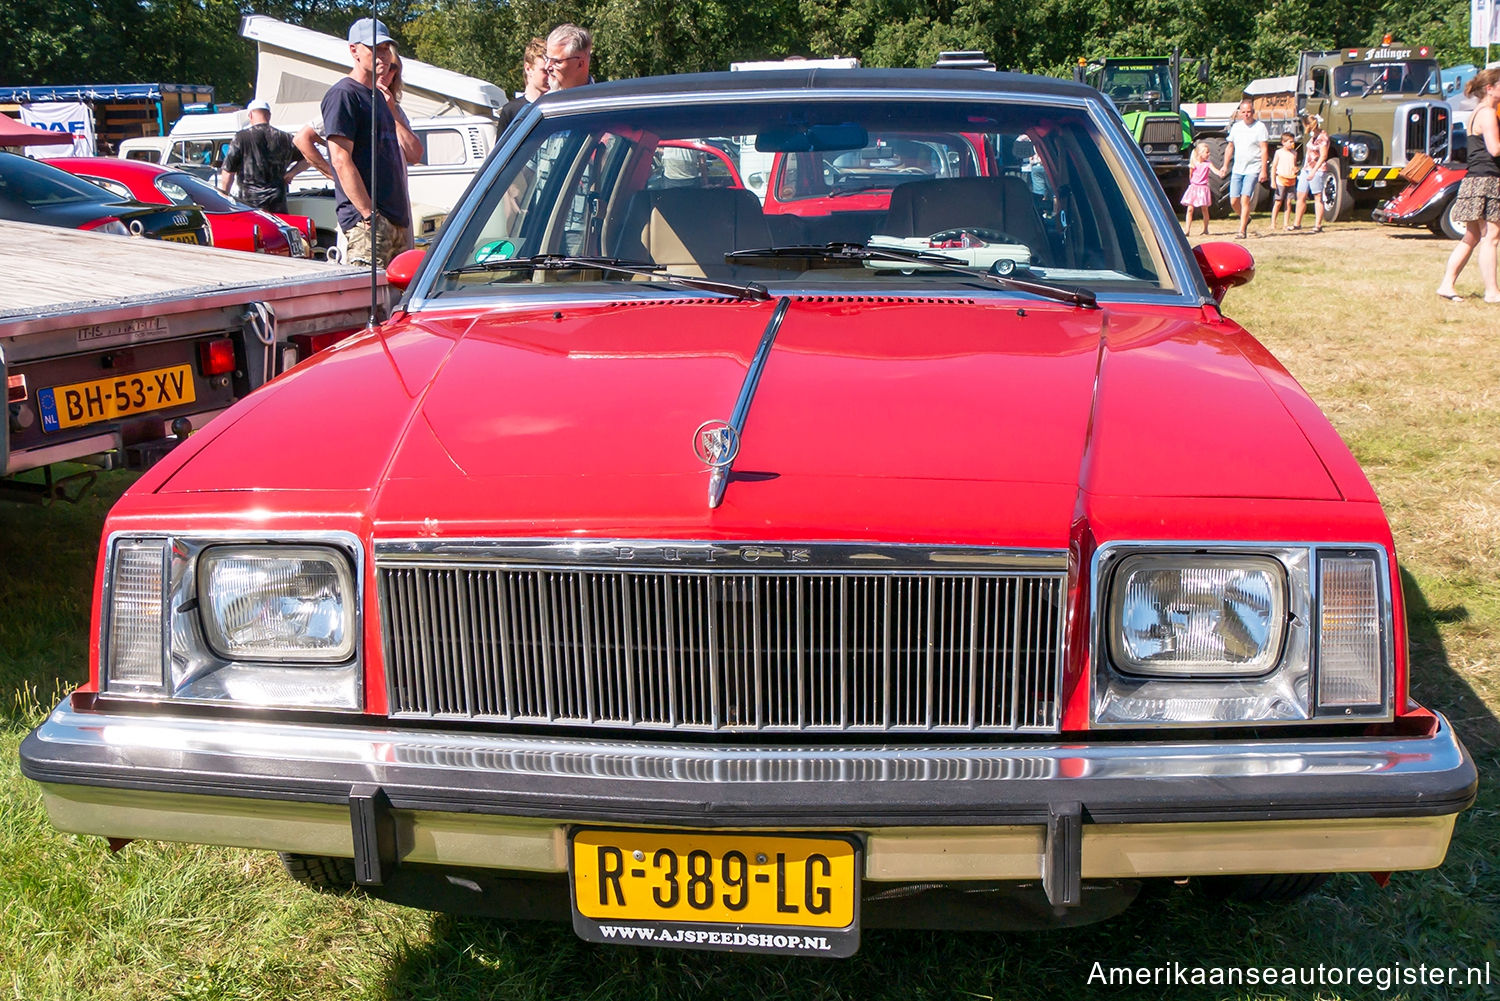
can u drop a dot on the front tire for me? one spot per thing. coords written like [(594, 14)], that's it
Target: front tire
[(322, 873), (1338, 199), (1445, 225), (1266, 888)]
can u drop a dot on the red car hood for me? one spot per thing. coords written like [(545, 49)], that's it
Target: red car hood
[(954, 420)]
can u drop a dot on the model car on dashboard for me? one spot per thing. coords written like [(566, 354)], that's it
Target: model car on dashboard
[(716, 584)]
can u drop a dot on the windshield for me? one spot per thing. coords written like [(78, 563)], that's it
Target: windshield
[(185, 189), (1417, 76), (1132, 82), (1021, 188)]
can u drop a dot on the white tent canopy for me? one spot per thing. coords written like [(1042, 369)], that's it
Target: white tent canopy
[(296, 66)]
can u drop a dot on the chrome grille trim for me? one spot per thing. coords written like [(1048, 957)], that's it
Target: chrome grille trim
[(716, 637)]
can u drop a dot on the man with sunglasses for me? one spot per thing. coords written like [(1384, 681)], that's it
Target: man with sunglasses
[(569, 49)]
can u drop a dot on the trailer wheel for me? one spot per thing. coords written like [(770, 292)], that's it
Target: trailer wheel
[(1338, 200)]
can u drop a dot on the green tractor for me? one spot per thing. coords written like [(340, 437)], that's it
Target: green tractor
[(1144, 91)]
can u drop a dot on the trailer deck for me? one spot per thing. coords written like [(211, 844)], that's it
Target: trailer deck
[(121, 346)]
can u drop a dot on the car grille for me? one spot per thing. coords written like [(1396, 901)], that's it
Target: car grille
[(729, 649), (1162, 130), (1427, 131)]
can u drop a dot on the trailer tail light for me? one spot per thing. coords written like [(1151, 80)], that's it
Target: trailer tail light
[(310, 344), (216, 357), (15, 388)]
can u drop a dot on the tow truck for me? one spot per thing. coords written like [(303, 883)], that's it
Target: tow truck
[(1382, 106)]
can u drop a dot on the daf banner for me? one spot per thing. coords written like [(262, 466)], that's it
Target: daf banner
[(1484, 27), (63, 116)]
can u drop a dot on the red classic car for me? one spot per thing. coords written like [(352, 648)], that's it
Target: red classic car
[(713, 590), (233, 225), (1428, 203), (681, 163)]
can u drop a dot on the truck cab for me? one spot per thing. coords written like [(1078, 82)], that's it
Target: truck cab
[(1144, 91), (1381, 106)]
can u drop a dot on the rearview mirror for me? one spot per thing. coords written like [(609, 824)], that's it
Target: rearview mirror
[(806, 139)]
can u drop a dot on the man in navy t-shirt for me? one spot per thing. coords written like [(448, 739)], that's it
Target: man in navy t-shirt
[(373, 211)]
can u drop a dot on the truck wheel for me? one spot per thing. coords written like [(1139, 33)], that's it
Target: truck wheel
[(1218, 186), (1338, 200), (1444, 224), (1262, 889), (328, 875)]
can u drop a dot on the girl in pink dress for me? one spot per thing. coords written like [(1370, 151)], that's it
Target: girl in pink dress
[(1197, 194)]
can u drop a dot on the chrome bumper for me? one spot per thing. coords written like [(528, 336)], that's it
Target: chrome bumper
[(1061, 812)]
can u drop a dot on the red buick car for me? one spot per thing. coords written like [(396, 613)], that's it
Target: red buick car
[(233, 225), (956, 564)]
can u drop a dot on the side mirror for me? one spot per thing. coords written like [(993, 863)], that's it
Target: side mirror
[(1224, 266), (403, 267)]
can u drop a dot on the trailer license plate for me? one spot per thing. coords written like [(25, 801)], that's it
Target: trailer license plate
[(740, 892), (115, 397)]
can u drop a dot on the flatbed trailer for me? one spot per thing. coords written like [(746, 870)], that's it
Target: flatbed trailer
[(113, 348)]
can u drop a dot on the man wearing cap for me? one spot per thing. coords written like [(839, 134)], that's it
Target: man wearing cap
[(262, 160), (373, 209)]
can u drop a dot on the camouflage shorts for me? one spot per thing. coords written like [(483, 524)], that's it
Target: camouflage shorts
[(390, 240)]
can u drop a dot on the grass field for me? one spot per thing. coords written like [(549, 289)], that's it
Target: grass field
[(1413, 384)]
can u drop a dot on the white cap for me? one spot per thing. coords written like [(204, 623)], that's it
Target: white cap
[(258, 105)]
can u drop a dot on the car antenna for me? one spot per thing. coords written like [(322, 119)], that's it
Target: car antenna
[(374, 146)]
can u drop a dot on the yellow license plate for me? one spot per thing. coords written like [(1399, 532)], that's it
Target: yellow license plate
[(740, 892), (116, 397), (182, 238)]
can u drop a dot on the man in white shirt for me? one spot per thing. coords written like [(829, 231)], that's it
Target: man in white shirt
[(1249, 149)]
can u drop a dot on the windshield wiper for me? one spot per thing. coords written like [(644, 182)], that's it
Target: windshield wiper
[(1070, 294), (559, 262)]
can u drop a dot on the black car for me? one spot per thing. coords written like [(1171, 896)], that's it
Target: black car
[(37, 192)]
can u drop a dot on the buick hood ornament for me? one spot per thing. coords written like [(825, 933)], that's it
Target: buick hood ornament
[(716, 442)]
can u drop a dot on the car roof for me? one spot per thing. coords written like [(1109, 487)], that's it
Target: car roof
[(815, 79), (116, 164)]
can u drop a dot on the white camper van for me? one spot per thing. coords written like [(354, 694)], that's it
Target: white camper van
[(453, 150)]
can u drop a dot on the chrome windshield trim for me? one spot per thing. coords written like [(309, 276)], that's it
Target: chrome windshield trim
[(690, 556), (586, 105), (279, 744)]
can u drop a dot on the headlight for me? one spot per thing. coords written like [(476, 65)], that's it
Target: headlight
[(1240, 635), (1359, 152), (262, 624), (1203, 617), (269, 603)]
